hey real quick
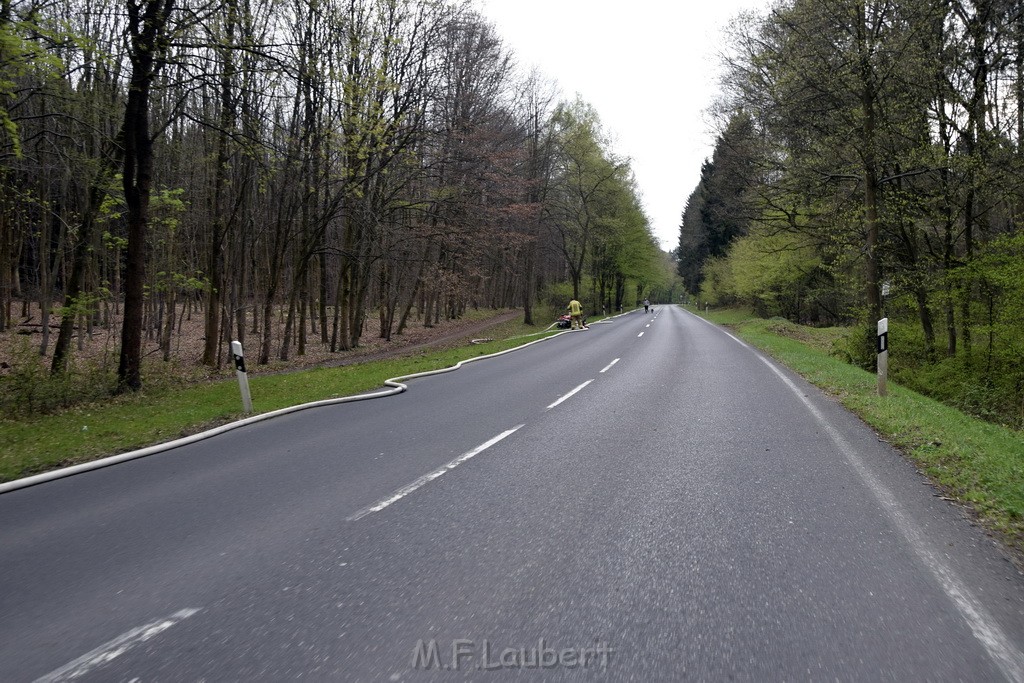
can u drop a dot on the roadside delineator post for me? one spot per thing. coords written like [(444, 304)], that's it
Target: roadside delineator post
[(243, 377), (883, 355)]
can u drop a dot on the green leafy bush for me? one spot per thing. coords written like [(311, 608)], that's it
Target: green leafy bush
[(27, 388)]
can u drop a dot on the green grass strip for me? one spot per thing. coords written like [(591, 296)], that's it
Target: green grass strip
[(130, 422), (975, 462)]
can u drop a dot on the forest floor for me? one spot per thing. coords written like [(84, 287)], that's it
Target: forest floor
[(21, 343)]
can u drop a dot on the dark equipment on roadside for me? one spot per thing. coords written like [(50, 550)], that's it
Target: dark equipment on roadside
[(564, 322)]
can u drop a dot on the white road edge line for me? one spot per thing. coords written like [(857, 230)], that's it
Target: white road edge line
[(114, 648), (1002, 651), (982, 625), (577, 389), (430, 476), (609, 366), (1006, 656)]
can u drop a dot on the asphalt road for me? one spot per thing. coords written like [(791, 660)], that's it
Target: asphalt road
[(646, 500)]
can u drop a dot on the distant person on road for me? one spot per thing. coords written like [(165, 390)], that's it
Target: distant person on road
[(647, 306), (576, 313)]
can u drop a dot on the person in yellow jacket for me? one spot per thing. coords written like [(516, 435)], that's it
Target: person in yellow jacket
[(576, 313)]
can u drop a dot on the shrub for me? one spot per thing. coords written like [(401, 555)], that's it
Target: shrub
[(29, 389)]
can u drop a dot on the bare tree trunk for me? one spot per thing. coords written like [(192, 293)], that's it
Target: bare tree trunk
[(322, 304), (147, 22), (303, 307), (408, 307), (6, 259), (927, 326), (273, 281), (289, 325), (417, 288), (168, 330), (81, 256), (528, 278), (339, 330), (45, 284)]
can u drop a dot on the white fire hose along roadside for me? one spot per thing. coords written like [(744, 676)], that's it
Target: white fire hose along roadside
[(395, 383)]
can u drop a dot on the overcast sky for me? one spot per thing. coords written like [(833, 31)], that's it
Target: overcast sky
[(649, 69)]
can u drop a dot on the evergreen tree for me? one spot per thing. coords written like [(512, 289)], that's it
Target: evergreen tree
[(720, 209)]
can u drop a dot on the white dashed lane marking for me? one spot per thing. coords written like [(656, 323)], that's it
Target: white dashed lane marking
[(571, 393), (115, 648), (430, 476)]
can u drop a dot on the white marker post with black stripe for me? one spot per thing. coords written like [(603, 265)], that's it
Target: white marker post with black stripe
[(883, 355), (243, 377)]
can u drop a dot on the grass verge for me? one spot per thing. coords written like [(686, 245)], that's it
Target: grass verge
[(129, 422), (976, 463)]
